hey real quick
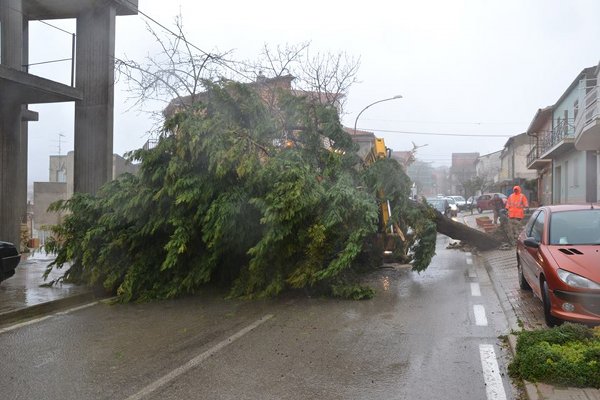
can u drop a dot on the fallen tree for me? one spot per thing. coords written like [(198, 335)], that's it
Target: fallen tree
[(232, 196), (459, 231)]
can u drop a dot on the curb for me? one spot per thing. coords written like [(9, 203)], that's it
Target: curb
[(47, 308), (530, 388)]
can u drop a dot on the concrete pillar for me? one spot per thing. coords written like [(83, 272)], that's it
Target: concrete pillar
[(94, 114), (23, 154), (11, 19), (11, 24)]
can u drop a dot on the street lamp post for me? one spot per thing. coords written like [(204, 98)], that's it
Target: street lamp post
[(372, 104)]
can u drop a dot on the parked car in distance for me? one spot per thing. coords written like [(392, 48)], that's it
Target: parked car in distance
[(453, 206), (440, 204), (557, 258), (9, 259), (484, 202), (461, 203)]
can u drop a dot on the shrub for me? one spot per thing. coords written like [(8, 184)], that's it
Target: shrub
[(567, 355)]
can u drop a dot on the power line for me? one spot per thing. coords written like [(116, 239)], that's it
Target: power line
[(207, 54), (47, 62), (444, 122), (437, 133), (55, 27), (41, 21)]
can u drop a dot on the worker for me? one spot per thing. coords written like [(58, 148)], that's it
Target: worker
[(516, 204)]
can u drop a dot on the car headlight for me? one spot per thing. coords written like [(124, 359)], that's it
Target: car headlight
[(577, 281)]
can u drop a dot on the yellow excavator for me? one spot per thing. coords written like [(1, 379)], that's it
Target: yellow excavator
[(389, 230)]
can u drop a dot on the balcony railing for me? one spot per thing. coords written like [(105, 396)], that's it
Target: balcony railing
[(591, 111), (565, 129), (532, 155)]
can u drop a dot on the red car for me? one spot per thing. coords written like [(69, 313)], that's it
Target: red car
[(558, 257)]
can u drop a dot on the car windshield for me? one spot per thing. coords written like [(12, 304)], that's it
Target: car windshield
[(458, 198), (575, 227), (451, 200)]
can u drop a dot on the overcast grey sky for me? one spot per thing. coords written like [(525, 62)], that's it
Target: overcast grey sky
[(462, 66)]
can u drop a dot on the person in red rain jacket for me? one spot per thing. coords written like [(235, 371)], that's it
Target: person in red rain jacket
[(516, 204)]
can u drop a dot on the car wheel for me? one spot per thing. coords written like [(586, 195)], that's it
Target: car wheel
[(522, 282), (479, 210), (548, 317)]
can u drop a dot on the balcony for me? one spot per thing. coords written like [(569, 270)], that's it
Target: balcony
[(587, 127), (534, 161), (559, 140)]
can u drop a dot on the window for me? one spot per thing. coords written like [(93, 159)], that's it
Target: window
[(61, 176), (537, 230), (575, 227), (530, 223)]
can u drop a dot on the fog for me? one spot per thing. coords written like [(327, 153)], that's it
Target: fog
[(462, 67)]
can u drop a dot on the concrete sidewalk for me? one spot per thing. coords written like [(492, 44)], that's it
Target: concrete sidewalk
[(22, 295), (524, 311)]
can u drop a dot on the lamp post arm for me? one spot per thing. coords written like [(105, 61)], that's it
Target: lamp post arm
[(372, 104)]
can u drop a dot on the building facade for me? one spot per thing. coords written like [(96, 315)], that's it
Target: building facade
[(462, 170), (567, 173), (60, 187)]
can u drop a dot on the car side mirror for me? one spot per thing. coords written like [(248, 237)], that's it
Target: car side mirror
[(531, 242)]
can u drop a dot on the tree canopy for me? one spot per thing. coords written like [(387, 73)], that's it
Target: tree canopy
[(253, 197)]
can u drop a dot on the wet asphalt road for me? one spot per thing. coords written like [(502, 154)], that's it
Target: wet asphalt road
[(420, 338)]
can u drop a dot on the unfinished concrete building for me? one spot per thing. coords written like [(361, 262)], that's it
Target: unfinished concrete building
[(92, 91)]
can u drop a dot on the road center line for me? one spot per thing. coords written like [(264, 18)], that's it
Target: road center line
[(469, 258), (472, 273), (480, 318), (475, 289), (491, 373), (194, 362)]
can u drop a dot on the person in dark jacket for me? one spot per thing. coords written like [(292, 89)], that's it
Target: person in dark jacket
[(497, 205)]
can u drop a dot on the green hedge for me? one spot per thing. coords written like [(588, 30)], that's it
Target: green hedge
[(567, 355)]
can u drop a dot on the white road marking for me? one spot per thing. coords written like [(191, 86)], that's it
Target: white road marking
[(70, 310), (480, 318), (475, 290), (36, 320), (22, 324), (472, 273), (469, 258), (194, 362), (491, 373)]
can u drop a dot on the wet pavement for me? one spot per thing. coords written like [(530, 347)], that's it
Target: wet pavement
[(421, 337), (23, 295), (523, 311)]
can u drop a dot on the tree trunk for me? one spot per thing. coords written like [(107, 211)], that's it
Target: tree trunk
[(464, 233)]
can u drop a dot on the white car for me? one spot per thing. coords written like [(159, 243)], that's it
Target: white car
[(461, 203)]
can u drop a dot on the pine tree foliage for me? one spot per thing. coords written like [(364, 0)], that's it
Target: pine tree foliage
[(244, 195)]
